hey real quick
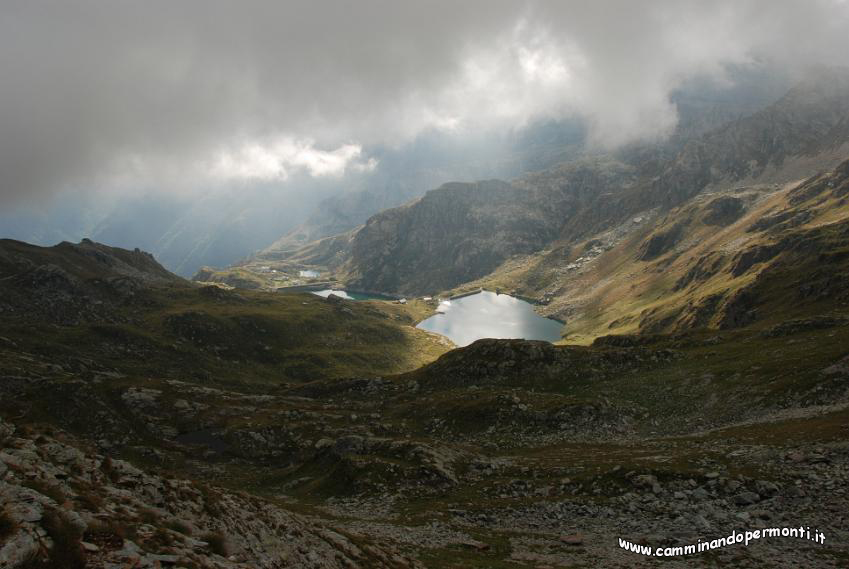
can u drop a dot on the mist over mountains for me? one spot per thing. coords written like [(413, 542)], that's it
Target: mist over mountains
[(220, 226), (105, 128)]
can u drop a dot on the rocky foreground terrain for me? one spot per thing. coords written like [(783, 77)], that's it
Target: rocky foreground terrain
[(65, 507)]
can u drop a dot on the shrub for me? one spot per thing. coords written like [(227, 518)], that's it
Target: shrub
[(67, 551), (211, 501), (163, 537), (108, 469)]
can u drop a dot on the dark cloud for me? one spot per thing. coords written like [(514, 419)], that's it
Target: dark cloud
[(171, 95)]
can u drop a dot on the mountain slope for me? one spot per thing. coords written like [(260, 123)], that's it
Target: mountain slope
[(147, 319), (68, 507), (461, 231), (85, 259), (722, 260), (806, 131), (476, 227), (437, 158)]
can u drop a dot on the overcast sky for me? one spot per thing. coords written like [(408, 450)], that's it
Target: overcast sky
[(185, 94)]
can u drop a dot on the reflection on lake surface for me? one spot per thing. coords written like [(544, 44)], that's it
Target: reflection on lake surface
[(490, 315), (327, 292)]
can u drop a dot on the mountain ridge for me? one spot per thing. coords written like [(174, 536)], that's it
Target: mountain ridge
[(804, 130)]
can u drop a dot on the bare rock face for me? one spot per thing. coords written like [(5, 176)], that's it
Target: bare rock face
[(72, 283), (453, 234)]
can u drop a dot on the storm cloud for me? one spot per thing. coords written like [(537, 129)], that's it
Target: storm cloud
[(180, 95)]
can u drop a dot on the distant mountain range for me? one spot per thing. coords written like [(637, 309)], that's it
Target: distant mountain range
[(462, 232), (218, 228)]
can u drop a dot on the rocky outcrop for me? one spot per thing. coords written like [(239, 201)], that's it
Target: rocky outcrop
[(661, 242), (724, 210), (72, 283), (781, 220), (790, 327), (706, 267), (522, 362), (73, 509)]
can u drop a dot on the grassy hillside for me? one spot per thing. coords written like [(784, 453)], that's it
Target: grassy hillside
[(76, 303), (726, 259)]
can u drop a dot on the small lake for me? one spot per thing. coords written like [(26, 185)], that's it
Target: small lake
[(490, 315), (348, 295)]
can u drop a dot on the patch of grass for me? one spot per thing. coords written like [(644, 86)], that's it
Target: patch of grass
[(109, 530), (494, 556), (263, 339), (818, 429)]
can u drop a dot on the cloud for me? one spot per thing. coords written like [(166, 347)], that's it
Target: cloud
[(276, 160), (171, 94)]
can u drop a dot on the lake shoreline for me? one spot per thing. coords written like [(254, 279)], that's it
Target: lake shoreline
[(475, 315)]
